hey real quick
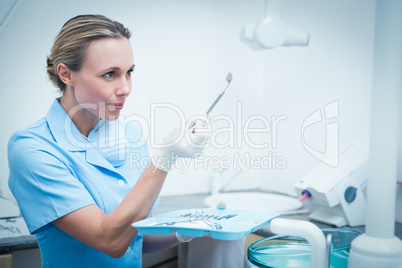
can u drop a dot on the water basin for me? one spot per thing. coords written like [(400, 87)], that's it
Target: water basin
[(255, 200), (289, 251)]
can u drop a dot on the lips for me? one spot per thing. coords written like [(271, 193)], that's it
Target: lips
[(116, 106)]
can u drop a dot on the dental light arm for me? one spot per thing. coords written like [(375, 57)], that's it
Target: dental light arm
[(272, 32)]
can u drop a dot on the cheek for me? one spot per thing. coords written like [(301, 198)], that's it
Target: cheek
[(93, 92)]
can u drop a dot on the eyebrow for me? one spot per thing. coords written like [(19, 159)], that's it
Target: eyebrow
[(117, 68)]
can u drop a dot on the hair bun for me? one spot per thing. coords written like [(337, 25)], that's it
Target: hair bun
[(49, 62)]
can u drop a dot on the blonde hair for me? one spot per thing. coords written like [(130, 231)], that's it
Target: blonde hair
[(74, 37)]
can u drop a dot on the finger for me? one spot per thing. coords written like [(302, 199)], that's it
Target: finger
[(201, 137)]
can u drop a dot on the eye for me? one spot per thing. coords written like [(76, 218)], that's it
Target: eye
[(109, 75), (129, 72)]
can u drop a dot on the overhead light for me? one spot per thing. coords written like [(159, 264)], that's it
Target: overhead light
[(272, 31)]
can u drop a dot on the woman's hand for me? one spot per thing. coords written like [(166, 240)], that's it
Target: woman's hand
[(182, 142)]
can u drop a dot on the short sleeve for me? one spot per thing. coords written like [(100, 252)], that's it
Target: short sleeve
[(42, 182)]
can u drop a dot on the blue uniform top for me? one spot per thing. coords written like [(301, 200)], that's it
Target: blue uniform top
[(54, 170)]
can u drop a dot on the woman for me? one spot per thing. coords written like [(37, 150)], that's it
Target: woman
[(79, 198)]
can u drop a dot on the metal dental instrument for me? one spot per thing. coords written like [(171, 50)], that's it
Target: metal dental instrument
[(164, 223), (198, 213), (226, 217), (215, 225), (229, 79)]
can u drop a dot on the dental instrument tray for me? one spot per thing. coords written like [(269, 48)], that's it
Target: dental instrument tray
[(222, 224)]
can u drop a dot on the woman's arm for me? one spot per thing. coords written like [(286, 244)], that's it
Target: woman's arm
[(112, 233)]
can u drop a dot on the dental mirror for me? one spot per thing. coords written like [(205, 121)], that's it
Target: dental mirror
[(229, 79)]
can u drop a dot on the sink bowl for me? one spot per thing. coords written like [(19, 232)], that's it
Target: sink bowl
[(255, 200)]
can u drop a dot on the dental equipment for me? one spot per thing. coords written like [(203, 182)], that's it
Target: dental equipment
[(197, 216), (309, 232), (272, 32), (229, 79), (336, 194), (378, 246)]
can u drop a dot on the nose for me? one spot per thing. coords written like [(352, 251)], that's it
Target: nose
[(124, 87)]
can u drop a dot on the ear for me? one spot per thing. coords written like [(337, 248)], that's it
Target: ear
[(65, 74)]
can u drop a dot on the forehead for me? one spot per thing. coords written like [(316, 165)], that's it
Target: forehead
[(108, 52)]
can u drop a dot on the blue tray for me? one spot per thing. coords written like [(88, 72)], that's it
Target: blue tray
[(233, 224)]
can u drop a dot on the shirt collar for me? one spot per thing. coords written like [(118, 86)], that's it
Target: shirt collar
[(64, 130), (69, 137)]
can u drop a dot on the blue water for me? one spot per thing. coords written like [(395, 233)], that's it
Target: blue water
[(292, 255)]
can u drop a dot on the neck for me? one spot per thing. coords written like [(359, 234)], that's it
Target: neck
[(83, 119)]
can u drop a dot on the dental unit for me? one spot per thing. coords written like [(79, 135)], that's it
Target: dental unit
[(336, 195), (338, 199), (272, 31)]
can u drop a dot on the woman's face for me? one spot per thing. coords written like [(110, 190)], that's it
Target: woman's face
[(104, 81)]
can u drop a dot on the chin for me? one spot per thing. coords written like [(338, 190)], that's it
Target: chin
[(112, 117)]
